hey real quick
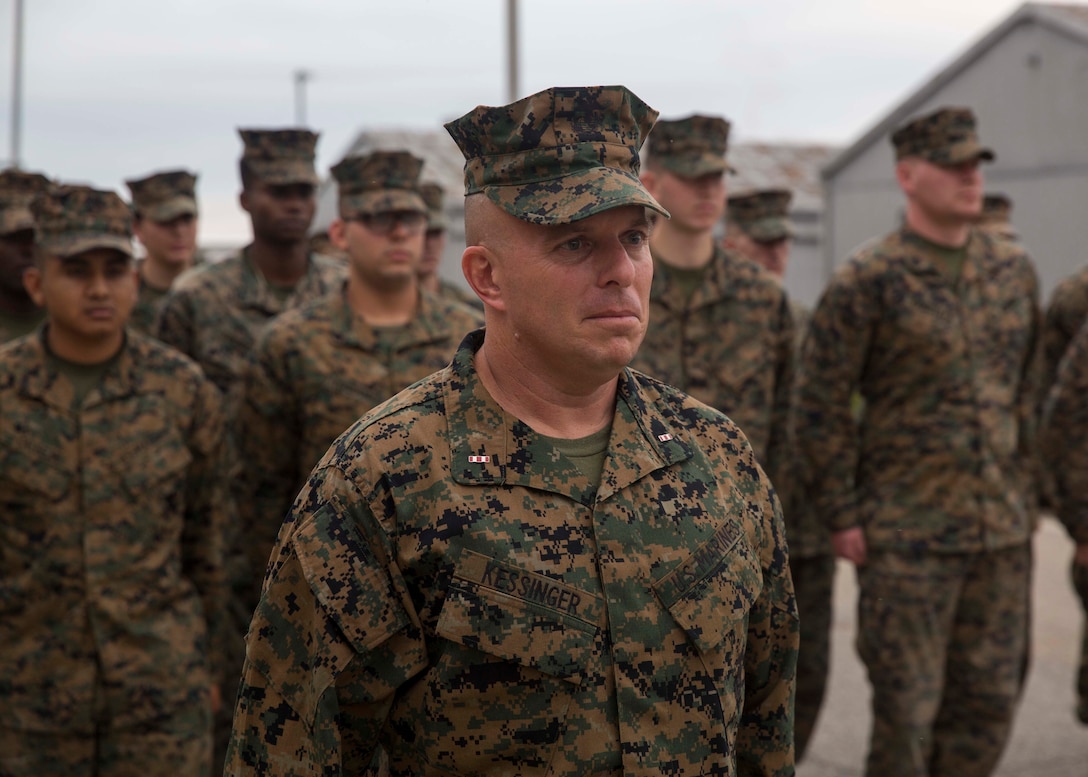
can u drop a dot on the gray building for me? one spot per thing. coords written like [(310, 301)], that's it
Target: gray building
[(1027, 81), (758, 165)]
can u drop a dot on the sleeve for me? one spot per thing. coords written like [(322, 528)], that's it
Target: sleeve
[(1059, 327), (335, 635), (268, 436), (765, 734), (209, 516), (174, 324), (1032, 395), (830, 371), (1064, 437)]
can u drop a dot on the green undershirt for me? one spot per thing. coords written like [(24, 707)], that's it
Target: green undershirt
[(688, 279), (587, 453), (949, 261), (84, 377)]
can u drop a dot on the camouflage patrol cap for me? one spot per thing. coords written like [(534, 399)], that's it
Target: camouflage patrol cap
[(379, 182), (282, 156), (435, 198), (69, 220), (558, 156), (690, 147), (763, 215), (164, 196), (17, 190), (945, 137)]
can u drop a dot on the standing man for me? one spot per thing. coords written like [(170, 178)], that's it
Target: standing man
[(930, 496), (435, 246), (165, 223), (113, 482), (19, 314), (720, 326), (536, 561), (1064, 442), (997, 216), (320, 367), (1065, 314), (758, 227), (215, 313)]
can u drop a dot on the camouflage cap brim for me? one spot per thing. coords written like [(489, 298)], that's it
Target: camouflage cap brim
[(381, 201), (171, 209), (573, 197), (959, 153), (767, 230), (16, 218), (72, 243), (694, 166), (282, 173)]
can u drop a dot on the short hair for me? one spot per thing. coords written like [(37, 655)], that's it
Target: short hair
[(247, 173)]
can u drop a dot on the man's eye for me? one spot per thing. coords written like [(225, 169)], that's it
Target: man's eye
[(574, 244), (637, 238)]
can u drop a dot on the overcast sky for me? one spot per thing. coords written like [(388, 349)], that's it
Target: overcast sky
[(114, 89)]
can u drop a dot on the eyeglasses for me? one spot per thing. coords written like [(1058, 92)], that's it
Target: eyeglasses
[(384, 223)]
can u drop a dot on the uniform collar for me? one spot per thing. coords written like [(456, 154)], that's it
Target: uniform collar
[(490, 447), (426, 326), (254, 291), (45, 383), (717, 283)]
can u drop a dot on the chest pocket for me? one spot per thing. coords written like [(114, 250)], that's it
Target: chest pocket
[(30, 472), (516, 648), (710, 593)]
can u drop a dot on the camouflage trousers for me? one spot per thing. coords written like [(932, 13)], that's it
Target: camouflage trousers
[(1080, 584), (812, 582), (177, 746), (943, 637)]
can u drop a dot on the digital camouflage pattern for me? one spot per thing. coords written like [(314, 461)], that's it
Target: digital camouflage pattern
[(938, 471), (165, 196), (947, 136), (74, 219), (280, 156), (316, 370), (450, 586), (434, 197), (149, 300), (215, 313), (943, 458), (112, 540), (379, 182), (942, 636), (728, 345), (812, 565), (1064, 442), (1066, 312), (763, 215), (690, 147), (559, 155), (17, 190), (1064, 437)]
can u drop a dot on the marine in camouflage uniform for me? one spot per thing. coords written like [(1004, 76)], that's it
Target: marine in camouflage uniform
[(720, 325), (1064, 442), (930, 495), (114, 497), (319, 368), (758, 226), (996, 216), (435, 246), (589, 584), (18, 314), (165, 213), (215, 313), (1066, 311)]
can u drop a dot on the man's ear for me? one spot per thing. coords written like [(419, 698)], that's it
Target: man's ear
[(243, 200), (32, 282), (338, 234), (479, 265), (904, 174)]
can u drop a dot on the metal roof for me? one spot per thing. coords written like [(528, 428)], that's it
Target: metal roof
[(1063, 18)]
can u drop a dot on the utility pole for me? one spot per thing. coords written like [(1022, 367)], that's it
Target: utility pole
[(512, 86), (17, 88), (301, 77)]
